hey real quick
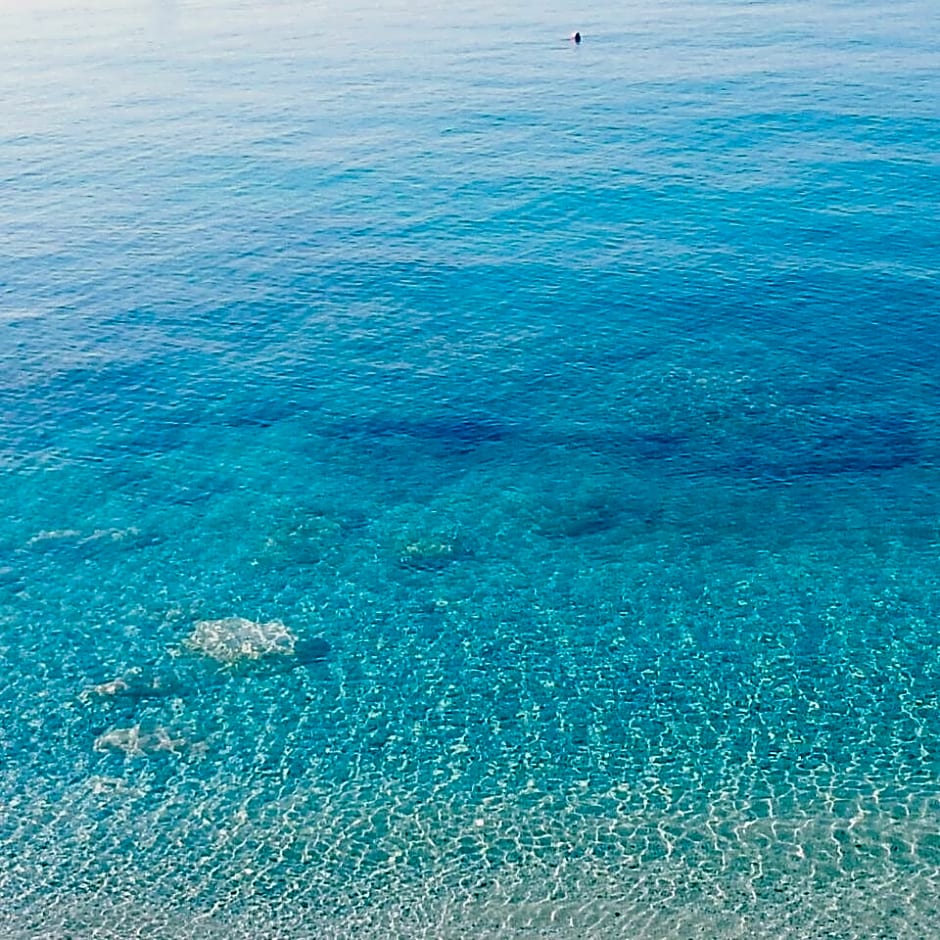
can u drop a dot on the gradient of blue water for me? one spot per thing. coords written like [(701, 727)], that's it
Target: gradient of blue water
[(582, 399)]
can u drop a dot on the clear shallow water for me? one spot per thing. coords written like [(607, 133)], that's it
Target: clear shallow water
[(582, 400)]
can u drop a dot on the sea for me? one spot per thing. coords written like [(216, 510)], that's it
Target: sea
[(460, 482)]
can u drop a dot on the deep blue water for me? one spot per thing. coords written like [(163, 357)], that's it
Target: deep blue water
[(573, 408)]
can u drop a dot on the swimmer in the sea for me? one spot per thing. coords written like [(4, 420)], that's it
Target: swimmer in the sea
[(576, 38)]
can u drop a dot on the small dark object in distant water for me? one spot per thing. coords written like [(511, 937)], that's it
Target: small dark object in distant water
[(577, 38)]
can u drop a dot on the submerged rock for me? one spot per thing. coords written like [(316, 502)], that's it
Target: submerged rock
[(136, 742), (432, 552), (427, 554), (234, 639), (312, 650), (134, 684)]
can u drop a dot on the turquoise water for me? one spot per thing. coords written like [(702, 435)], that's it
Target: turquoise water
[(563, 419)]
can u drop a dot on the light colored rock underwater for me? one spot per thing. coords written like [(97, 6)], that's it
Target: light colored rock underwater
[(134, 684), (235, 638), (135, 742)]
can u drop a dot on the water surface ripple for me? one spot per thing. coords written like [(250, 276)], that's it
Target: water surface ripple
[(461, 483)]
